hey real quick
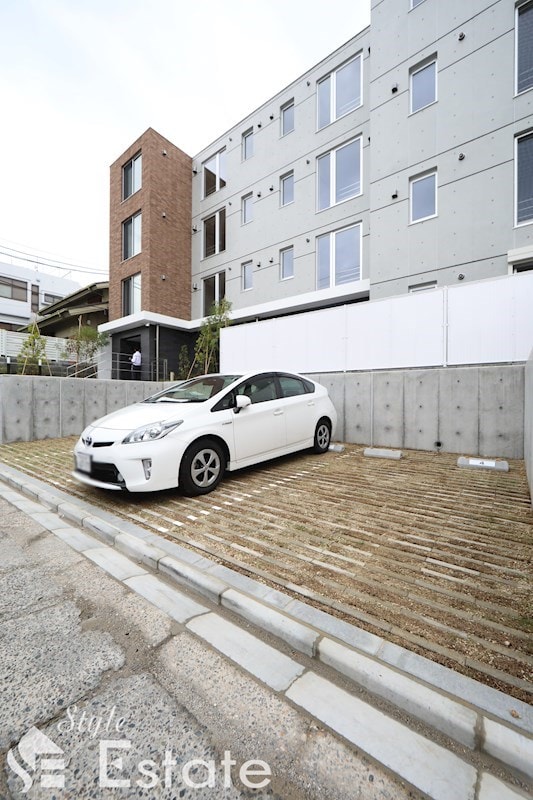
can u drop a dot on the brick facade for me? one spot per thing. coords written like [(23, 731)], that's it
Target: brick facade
[(164, 200)]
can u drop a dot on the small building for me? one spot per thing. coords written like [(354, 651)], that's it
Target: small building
[(24, 291), (87, 306)]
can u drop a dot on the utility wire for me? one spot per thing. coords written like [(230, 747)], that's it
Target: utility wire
[(66, 266)]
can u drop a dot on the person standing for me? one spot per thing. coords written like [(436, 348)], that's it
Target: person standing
[(136, 365)]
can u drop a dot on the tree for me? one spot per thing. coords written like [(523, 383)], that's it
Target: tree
[(207, 348), (32, 351), (84, 344)]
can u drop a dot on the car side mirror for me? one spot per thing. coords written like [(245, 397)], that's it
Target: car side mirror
[(241, 401)]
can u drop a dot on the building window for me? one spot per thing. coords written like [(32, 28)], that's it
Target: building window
[(524, 47), (287, 118), (524, 179), (131, 236), (35, 297), (415, 3), (339, 174), (340, 92), (286, 263), (131, 295), (517, 268), (132, 176), (247, 144), (423, 86), (49, 299), (214, 173), (215, 233), (247, 208), (13, 289), (214, 291), (287, 188), (246, 276), (423, 196), (339, 257)]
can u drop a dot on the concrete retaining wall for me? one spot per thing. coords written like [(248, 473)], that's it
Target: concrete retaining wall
[(470, 410), (528, 422), (34, 407)]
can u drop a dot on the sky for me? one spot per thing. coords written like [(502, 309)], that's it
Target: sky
[(80, 80)]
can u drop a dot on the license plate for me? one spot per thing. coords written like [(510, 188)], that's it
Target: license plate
[(83, 462)]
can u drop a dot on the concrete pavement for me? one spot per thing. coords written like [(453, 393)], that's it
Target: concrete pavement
[(94, 611)]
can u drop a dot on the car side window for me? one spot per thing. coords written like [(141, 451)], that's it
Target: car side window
[(228, 401), (259, 390), (290, 387)]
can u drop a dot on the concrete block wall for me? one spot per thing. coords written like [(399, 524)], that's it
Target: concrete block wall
[(34, 407), (469, 410), (528, 422)]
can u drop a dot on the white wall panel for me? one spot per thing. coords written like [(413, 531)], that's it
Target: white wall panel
[(491, 321), (488, 322), (399, 332)]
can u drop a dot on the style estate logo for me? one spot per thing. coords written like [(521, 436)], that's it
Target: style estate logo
[(118, 767), (35, 746)]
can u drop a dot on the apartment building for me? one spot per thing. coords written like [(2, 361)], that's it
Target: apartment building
[(401, 162), (24, 291)]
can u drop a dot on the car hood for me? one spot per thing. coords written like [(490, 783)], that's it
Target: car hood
[(132, 417)]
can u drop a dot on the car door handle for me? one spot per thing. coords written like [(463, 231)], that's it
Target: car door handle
[(278, 412), (311, 403)]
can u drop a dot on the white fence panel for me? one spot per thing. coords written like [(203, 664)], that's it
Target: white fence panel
[(398, 332), (491, 321)]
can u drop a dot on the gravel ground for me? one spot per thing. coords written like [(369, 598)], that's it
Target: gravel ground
[(429, 556)]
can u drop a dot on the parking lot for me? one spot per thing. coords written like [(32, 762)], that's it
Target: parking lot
[(431, 557)]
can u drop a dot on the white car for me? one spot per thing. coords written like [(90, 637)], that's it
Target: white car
[(190, 433)]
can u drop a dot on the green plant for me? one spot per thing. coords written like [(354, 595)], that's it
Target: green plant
[(184, 362), (32, 351), (85, 343), (207, 348)]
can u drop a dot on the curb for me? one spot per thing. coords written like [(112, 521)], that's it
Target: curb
[(475, 716)]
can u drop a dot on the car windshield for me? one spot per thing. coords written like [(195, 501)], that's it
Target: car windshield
[(197, 390)]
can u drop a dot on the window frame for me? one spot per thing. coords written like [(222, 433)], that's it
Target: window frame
[(220, 181), (285, 107), (519, 7), (416, 179), (283, 251), (219, 234), (15, 286), (415, 71), (247, 276), (131, 163), (332, 156), (247, 143), (282, 184), (218, 279), (332, 260), (519, 224), (136, 236), (332, 78), (129, 294), (247, 208)]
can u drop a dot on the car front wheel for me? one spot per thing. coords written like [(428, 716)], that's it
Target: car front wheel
[(202, 467), (322, 436)]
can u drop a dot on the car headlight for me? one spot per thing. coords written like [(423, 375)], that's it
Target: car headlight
[(149, 433)]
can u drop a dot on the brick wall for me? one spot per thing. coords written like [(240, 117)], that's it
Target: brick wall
[(165, 202)]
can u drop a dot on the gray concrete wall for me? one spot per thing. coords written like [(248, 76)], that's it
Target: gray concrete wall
[(469, 410), (34, 407), (528, 422)]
